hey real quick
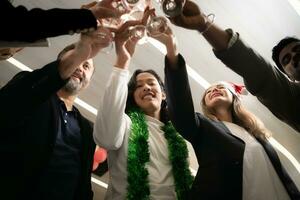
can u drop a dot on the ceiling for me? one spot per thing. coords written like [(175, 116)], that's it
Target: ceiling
[(260, 23)]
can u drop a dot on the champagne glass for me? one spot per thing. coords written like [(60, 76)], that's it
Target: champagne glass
[(157, 25), (105, 35), (139, 32), (172, 8), (139, 5)]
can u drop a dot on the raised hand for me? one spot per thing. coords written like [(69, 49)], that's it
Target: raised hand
[(125, 42), (125, 45), (169, 40), (87, 47), (94, 41), (191, 17), (103, 9)]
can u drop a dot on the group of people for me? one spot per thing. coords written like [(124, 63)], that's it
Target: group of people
[(47, 146)]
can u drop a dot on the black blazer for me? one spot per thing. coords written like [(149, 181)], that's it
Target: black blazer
[(21, 24), (219, 153), (29, 124)]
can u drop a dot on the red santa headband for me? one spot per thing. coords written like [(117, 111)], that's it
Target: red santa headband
[(237, 89)]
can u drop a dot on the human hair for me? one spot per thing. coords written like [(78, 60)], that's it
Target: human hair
[(131, 104), (278, 48), (65, 50), (240, 116)]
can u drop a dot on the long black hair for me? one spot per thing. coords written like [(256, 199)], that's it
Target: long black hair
[(131, 104)]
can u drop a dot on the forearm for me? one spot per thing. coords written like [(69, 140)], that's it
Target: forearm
[(122, 63), (31, 25), (112, 122), (259, 75), (217, 37), (179, 98), (172, 53)]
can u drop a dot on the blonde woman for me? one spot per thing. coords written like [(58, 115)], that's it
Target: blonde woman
[(236, 161)]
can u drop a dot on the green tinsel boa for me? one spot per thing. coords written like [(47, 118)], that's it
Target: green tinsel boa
[(138, 156)]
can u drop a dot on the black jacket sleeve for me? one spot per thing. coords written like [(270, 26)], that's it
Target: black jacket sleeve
[(179, 99), (27, 90), (20, 24)]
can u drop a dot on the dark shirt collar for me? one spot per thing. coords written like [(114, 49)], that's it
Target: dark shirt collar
[(64, 108)]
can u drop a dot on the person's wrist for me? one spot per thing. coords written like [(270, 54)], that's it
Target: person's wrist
[(206, 22), (201, 28), (82, 47), (122, 63), (171, 46)]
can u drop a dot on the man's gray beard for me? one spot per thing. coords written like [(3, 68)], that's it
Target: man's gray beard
[(72, 87)]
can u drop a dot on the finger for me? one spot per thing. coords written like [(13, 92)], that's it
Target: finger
[(128, 24), (148, 12), (123, 36), (190, 9), (168, 31), (108, 13), (130, 46), (113, 30), (105, 2), (177, 20), (89, 5)]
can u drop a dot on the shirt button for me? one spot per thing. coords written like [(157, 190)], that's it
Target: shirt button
[(65, 121)]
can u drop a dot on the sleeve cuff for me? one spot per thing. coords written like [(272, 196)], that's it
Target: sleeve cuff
[(121, 72), (233, 39)]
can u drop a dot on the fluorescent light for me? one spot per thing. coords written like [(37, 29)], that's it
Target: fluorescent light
[(285, 152), (296, 5), (98, 182), (199, 79), (86, 106), (19, 65), (191, 72)]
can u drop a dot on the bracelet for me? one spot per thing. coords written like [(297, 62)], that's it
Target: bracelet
[(209, 22)]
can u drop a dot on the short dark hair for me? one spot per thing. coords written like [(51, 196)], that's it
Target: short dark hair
[(65, 50), (277, 49), (131, 104)]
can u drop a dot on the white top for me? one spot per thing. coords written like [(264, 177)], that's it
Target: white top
[(111, 132), (260, 180)]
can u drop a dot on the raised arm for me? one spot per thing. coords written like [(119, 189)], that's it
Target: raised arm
[(27, 90), (34, 24), (179, 98), (112, 123), (261, 78)]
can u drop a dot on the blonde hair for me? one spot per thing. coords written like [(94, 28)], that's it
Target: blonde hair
[(240, 116)]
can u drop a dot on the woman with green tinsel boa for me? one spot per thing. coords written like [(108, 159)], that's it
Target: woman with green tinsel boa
[(147, 158)]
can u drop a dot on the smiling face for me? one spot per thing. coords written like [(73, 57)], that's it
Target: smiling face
[(218, 96), (148, 94), (289, 59), (81, 78)]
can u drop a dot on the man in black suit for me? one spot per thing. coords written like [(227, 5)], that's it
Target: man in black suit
[(46, 145)]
